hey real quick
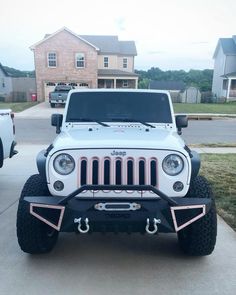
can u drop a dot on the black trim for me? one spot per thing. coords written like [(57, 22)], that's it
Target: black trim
[(13, 152), (1, 154), (157, 192), (41, 164), (196, 164), (189, 151), (119, 148), (48, 150)]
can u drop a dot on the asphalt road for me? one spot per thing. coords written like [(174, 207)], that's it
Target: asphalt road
[(105, 264), (37, 131)]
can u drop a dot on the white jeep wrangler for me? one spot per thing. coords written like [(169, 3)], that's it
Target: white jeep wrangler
[(117, 165)]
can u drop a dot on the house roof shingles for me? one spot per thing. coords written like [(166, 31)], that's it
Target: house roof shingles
[(4, 71), (128, 47), (105, 44), (228, 46), (111, 44), (167, 85), (114, 72)]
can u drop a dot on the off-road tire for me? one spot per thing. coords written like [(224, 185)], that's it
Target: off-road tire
[(52, 105), (34, 236), (199, 238)]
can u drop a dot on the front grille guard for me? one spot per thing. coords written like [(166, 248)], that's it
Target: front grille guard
[(176, 206)]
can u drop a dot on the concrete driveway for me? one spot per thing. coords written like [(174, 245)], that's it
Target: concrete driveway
[(105, 264), (40, 111)]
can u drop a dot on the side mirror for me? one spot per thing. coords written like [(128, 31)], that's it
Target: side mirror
[(56, 120), (181, 122)]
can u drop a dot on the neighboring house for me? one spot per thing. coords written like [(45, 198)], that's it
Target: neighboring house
[(178, 90), (174, 87), (224, 78), (15, 88), (83, 61), (5, 84)]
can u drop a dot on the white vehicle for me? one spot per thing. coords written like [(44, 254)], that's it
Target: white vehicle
[(118, 164), (7, 135)]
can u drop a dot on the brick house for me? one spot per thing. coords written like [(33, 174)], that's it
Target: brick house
[(84, 61)]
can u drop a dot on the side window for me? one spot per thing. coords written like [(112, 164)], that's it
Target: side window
[(80, 60), (125, 83), (125, 63), (106, 62), (225, 84), (52, 60)]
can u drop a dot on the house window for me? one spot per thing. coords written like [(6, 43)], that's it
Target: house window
[(73, 84), (80, 60), (51, 84), (125, 63), (52, 59), (105, 62), (125, 83), (85, 85), (225, 84)]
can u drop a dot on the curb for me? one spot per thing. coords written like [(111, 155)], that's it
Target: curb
[(208, 116), (215, 150)]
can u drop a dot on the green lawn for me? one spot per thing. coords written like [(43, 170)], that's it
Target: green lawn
[(220, 170), (17, 106), (214, 145), (219, 108)]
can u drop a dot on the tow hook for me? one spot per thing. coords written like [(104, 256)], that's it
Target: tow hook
[(83, 225), (154, 226)]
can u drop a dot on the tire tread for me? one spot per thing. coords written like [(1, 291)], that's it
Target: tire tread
[(199, 238), (31, 232)]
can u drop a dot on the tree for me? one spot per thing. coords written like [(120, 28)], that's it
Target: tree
[(198, 78)]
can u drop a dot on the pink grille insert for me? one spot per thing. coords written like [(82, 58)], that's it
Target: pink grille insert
[(117, 170)]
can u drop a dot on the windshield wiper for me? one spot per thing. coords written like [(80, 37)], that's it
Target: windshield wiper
[(133, 120), (87, 120)]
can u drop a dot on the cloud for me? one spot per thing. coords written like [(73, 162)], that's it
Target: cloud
[(155, 52), (200, 43), (120, 23)]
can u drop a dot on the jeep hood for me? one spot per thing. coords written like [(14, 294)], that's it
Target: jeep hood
[(119, 137)]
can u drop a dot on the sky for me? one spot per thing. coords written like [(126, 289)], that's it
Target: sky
[(169, 34)]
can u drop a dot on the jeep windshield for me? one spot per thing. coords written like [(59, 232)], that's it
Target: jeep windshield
[(111, 106)]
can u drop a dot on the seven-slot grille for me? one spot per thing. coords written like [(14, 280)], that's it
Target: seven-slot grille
[(120, 171)]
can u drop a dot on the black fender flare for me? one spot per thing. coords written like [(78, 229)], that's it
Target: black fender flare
[(41, 164), (1, 154), (196, 164)]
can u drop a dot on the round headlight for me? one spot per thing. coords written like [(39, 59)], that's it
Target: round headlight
[(64, 164), (173, 164)]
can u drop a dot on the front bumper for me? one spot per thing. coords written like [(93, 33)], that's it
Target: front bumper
[(74, 213)]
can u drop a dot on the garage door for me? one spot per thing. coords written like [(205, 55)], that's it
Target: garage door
[(50, 86)]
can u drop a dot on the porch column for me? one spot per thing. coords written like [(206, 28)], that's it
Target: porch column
[(228, 90), (114, 83), (136, 83)]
